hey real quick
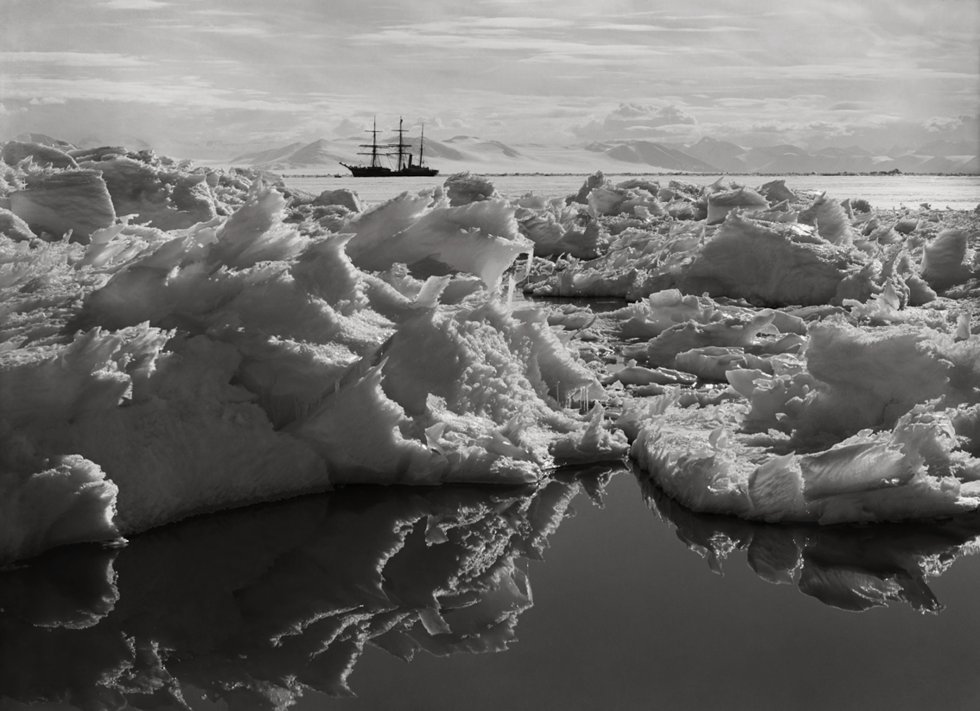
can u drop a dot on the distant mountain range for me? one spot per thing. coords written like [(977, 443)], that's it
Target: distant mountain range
[(937, 158), (709, 155)]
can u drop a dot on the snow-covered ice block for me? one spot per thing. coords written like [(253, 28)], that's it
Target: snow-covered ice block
[(479, 238), (772, 264), (71, 200), (67, 500), (917, 470), (946, 260), (243, 360), (723, 202), (16, 151), (155, 195)]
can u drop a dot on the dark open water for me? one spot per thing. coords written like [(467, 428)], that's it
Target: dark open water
[(616, 612), (625, 616)]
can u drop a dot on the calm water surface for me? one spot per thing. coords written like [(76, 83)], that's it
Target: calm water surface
[(625, 616), (547, 601), (959, 192)]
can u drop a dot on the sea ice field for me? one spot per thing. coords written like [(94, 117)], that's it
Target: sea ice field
[(890, 192), (785, 379)]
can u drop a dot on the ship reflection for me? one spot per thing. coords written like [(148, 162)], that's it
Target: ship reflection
[(851, 568), (255, 607)]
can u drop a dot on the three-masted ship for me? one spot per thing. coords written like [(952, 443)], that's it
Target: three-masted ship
[(404, 166)]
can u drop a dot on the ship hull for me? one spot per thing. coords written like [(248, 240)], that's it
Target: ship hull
[(417, 171), (368, 171)]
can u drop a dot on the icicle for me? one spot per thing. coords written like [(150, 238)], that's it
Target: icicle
[(511, 284), (527, 267)]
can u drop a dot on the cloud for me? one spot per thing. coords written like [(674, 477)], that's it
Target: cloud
[(182, 92), (495, 40), (872, 131), (133, 4), (228, 30), (73, 59), (643, 27), (548, 70), (940, 124), (630, 120), (238, 31), (517, 39), (346, 127), (511, 23)]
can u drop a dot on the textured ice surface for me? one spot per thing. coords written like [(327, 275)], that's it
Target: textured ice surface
[(874, 427), (773, 247), (846, 398), (435, 238), (228, 340), (58, 203), (156, 373)]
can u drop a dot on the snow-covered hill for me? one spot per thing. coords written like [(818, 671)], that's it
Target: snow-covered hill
[(469, 153)]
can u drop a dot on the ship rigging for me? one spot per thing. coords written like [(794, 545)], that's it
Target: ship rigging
[(404, 167)]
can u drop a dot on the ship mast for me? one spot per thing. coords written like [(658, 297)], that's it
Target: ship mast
[(421, 144), (401, 145), (373, 145)]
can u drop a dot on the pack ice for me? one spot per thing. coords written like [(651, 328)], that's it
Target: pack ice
[(833, 382), (175, 340)]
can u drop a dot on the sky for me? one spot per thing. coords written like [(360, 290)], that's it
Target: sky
[(192, 77)]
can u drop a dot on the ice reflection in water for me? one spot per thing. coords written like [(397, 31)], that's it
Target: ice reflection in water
[(848, 567), (253, 607), (257, 605)]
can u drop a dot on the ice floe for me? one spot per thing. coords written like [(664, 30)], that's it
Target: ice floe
[(149, 374), (854, 568), (175, 340), (868, 425)]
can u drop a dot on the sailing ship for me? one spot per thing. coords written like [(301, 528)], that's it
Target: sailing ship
[(404, 167)]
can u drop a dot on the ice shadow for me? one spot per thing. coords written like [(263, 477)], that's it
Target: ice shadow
[(849, 567), (257, 606)]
